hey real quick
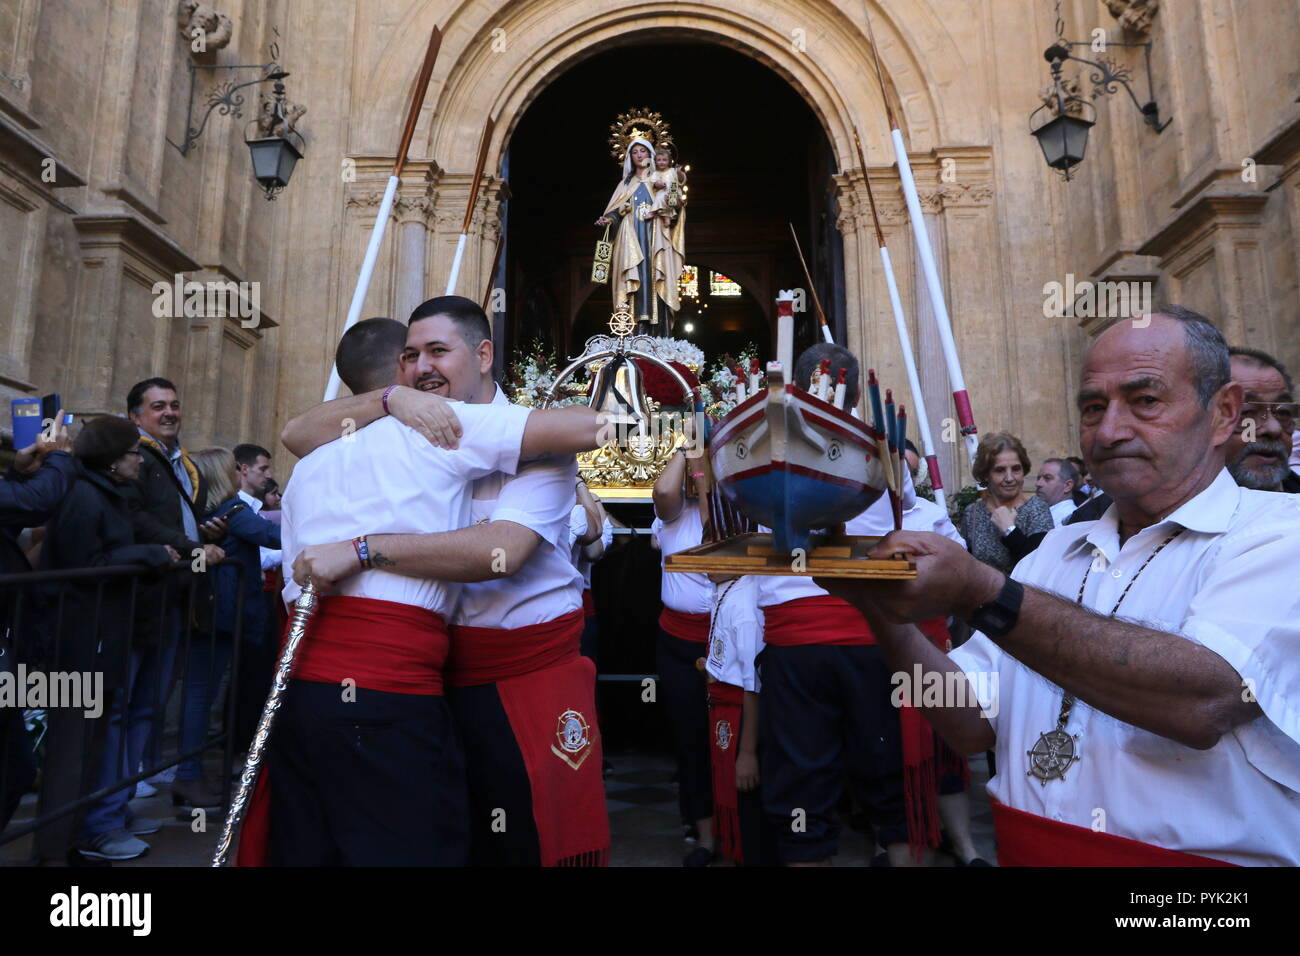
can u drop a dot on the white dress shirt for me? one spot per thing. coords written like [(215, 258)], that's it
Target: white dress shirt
[(387, 479), (577, 528), (926, 515), (1228, 583), (270, 557), (687, 593), (1062, 510), (539, 497), (736, 633)]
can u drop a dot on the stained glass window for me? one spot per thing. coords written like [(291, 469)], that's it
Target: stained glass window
[(721, 285), (688, 285)]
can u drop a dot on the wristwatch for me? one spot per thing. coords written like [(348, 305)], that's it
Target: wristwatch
[(999, 616)]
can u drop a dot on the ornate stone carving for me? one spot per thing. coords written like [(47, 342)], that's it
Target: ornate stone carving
[(269, 124), (1073, 96), (413, 208), (966, 194), (217, 28), (1135, 16)]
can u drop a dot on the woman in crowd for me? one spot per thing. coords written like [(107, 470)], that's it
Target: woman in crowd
[(240, 573), (93, 528), (1007, 522)]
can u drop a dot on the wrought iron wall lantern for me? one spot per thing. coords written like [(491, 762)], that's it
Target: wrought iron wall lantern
[(272, 146), (1062, 123)]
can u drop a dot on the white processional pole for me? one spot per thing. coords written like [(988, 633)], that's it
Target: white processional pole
[(454, 275), (904, 339), (961, 400), (386, 206)]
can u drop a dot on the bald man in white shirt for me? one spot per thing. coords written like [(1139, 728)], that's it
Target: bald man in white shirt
[(521, 697), (1148, 662), (364, 768)]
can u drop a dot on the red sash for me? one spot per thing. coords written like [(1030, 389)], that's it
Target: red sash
[(548, 692), (724, 741), (1026, 839), (688, 627), (821, 619), (588, 605), (485, 655), (382, 645)]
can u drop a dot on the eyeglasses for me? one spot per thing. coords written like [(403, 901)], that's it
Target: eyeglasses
[(135, 451), (1259, 412)]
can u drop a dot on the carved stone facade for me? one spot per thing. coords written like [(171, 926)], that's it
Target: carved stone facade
[(95, 206)]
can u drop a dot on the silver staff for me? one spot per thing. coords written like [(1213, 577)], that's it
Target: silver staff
[(303, 611)]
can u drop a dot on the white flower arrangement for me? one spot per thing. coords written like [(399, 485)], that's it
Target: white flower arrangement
[(678, 350)]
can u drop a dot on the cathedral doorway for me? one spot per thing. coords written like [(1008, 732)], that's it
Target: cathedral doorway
[(749, 179)]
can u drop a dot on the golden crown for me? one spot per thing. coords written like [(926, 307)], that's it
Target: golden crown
[(644, 123)]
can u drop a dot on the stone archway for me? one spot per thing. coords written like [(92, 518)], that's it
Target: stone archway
[(497, 57)]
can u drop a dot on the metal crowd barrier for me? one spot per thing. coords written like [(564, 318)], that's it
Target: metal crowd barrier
[(104, 630)]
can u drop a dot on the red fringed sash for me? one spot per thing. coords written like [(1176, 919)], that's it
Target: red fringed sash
[(382, 645), (689, 627), (724, 741), (821, 619), (1026, 839), (548, 692)]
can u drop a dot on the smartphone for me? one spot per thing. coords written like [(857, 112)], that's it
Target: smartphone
[(26, 413), (50, 406)]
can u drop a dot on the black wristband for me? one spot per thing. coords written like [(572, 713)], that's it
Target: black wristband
[(999, 616)]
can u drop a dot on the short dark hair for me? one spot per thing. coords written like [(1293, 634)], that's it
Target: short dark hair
[(467, 315), (1262, 359), (366, 356), (247, 454), (104, 440), (1207, 351), (1067, 470), (841, 358), (990, 447), (135, 397)]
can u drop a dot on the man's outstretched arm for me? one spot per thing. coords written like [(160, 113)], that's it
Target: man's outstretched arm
[(481, 552), (1160, 682), (564, 431), (431, 415)]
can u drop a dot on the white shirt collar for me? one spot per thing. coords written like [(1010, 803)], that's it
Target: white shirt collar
[(1209, 512), (249, 500)]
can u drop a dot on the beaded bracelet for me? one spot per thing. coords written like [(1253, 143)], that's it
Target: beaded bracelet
[(363, 552)]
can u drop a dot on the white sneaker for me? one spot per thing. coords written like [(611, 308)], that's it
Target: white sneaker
[(113, 845), (145, 789)]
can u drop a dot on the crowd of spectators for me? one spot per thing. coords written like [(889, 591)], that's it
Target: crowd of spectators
[(183, 540)]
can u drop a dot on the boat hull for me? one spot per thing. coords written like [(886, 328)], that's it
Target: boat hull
[(795, 464)]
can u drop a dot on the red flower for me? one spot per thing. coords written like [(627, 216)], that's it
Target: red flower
[(661, 386)]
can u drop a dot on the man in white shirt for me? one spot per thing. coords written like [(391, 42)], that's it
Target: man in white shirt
[(364, 768), (1057, 479), (590, 535), (682, 641), (255, 476), (1171, 741), (522, 698), (826, 716)]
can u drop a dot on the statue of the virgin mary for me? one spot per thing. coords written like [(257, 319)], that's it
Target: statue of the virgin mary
[(649, 243)]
